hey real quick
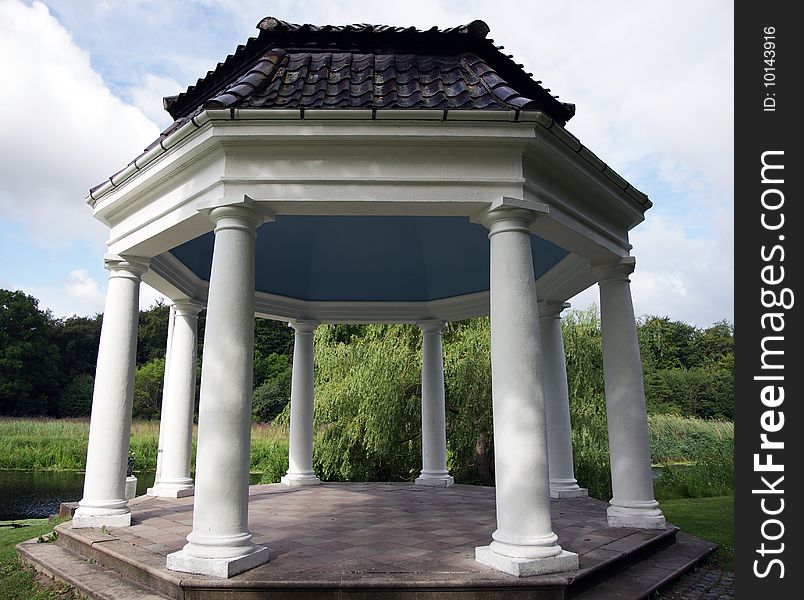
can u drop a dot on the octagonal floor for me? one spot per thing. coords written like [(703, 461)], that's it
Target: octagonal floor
[(344, 540)]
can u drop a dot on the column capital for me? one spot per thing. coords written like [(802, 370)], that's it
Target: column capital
[(129, 267), (550, 309), (186, 307), (510, 214), (431, 325), (240, 214), (614, 270), (304, 325)]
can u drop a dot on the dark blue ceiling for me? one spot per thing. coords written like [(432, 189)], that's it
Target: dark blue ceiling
[(369, 258)]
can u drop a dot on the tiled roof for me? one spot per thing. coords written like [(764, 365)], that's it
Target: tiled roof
[(368, 66), (350, 80)]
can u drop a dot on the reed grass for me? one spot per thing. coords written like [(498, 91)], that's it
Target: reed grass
[(696, 453), (61, 444)]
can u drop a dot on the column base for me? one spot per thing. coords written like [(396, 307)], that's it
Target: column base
[(171, 491), (84, 518), (216, 567), (131, 487), (575, 491), (527, 567), (641, 515), (441, 480), (297, 479)]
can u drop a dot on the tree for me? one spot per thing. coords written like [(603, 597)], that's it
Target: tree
[(273, 337), (714, 346), (272, 378), (28, 357), (152, 333), (467, 382), (368, 404), (665, 344), (77, 339), (148, 383), (76, 399)]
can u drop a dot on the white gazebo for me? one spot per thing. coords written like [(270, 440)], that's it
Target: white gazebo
[(367, 174)]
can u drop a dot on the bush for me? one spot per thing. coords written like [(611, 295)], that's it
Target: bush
[(704, 392), (148, 382), (272, 379), (76, 399), (270, 459), (270, 399)]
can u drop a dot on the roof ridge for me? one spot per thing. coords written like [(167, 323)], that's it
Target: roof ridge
[(476, 28)]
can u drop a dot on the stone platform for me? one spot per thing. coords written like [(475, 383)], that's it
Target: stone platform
[(344, 540)]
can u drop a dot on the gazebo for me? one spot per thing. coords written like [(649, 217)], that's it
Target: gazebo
[(367, 174)]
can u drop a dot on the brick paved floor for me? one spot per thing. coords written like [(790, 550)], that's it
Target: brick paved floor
[(354, 536), (377, 527)]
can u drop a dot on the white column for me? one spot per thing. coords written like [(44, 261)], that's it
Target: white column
[(524, 543), (300, 448), (168, 344), (633, 504), (556, 403), (220, 544), (434, 427), (176, 427), (104, 501)]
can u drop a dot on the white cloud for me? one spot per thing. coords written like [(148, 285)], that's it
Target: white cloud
[(688, 279), (149, 296), (148, 97), (76, 294), (61, 129)]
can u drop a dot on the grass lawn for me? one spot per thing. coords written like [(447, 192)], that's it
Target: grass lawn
[(711, 519), (17, 581)]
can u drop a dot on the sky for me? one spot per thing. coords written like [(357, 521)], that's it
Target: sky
[(652, 83)]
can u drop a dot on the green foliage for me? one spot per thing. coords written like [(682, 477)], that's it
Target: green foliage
[(665, 344), (368, 404), (688, 371), (77, 339), (270, 459), (152, 333), (583, 349), (76, 398), (698, 456), (145, 449), (704, 392), (148, 382), (676, 439), (467, 382), (28, 357), (61, 444), (272, 379), (272, 337)]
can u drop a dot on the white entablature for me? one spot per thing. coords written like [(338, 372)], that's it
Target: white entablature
[(350, 163)]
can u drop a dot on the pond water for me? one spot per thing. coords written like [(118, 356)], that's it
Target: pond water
[(37, 494)]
